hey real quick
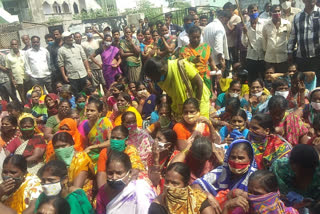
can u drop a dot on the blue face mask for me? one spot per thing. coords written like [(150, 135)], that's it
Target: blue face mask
[(89, 35), (188, 26), (254, 16), (51, 43)]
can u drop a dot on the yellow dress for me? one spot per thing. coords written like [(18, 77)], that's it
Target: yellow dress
[(29, 190)]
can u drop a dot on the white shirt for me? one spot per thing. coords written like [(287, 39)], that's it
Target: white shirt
[(37, 63), (275, 41), (255, 51), (215, 36), (183, 39)]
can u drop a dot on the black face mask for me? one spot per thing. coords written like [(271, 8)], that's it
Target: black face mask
[(117, 184)]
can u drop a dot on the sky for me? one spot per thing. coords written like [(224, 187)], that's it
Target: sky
[(123, 4)]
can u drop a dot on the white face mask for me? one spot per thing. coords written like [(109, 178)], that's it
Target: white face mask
[(107, 44), (234, 94), (315, 106), (285, 94), (286, 5), (166, 36), (258, 94), (52, 189)]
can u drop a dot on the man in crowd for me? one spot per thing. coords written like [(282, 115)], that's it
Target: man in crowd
[(26, 41), (73, 63), (116, 37), (77, 38), (252, 39), (305, 35), (275, 34), (203, 20), (49, 39), (15, 62), (231, 33), (58, 42), (37, 65), (183, 38), (90, 47), (266, 13), (192, 11), (173, 28), (7, 89), (288, 11)]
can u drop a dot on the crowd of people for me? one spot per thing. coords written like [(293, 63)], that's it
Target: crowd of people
[(219, 116)]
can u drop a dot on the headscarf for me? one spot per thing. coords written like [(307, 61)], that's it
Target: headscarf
[(42, 95), (26, 115), (72, 125), (311, 92), (54, 109), (219, 178), (269, 204), (184, 200)]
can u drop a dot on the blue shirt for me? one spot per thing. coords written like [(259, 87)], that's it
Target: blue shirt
[(224, 132), (221, 101)]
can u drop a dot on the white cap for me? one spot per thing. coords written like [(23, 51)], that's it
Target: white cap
[(66, 34)]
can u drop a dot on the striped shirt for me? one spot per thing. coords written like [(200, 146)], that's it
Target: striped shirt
[(305, 34)]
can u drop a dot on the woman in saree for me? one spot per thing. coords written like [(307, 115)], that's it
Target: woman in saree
[(124, 104), (267, 146), (140, 138), (31, 144), (118, 142), (166, 43), (288, 125), (9, 130), (52, 103), (68, 125), (111, 60), (37, 109), (55, 182), (312, 109), (19, 187), (81, 101), (238, 165), (38, 89), (80, 166), (130, 51), (178, 196), (122, 193), (52, 125), (150, 47), (299, 173), (199, 54), (96, 129)]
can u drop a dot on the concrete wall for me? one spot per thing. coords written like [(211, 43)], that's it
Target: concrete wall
[(38, 30)]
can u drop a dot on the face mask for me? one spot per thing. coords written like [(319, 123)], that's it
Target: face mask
[(276, 15), (234, 95), (257, 138), (141, 92), (89, 35), (132, 127), (240, 128), (258, 94), (81, 105), (65, 154), (166, 36), (315, 106), (17, 180), (238, 168), (188, 26), (52, 189), (285, 94), (117, 184), (164, 121), (50, 43), (175, 191), (123, 108), (118, 145), (107, 44), (191, 118), (286, 5), (254, 16)]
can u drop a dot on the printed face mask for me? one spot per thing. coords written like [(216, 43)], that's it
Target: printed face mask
[(238, 168), (52, 189)]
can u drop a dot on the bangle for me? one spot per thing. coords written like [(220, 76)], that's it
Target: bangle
[(185, 151)]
